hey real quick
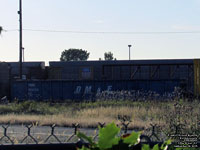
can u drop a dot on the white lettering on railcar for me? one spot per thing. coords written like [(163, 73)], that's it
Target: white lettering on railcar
[(78, 90), (109, 88), (88, 90), (33, 89), (99, 90), (31, 85)]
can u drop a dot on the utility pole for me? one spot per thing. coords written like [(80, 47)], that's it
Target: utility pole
[(20, 39), (23, 54), (129, 51)]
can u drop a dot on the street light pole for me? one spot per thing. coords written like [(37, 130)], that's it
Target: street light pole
[(20, 38), (129, 51)]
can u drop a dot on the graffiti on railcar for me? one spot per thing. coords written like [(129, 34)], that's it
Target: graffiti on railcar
[(88, 89)]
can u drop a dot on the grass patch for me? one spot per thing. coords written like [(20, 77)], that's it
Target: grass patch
[(88, 114)]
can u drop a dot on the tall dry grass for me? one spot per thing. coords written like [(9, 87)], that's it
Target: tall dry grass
[(89, 114)]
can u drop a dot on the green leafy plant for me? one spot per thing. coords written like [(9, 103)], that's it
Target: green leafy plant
[(109, 139)]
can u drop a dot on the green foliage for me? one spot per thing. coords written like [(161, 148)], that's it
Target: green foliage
[(74, 55), (108, 136), (109, 139), (1, 29), (31, 107), (132, 139), (108, 56), (145, 147), (156, 147), (84, 148), (87, 138), (165, 145)]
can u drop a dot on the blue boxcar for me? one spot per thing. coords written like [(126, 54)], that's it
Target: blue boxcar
[(79, 80), (79, 90)]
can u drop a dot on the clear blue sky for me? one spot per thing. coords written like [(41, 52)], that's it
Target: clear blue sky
[(102, 16)]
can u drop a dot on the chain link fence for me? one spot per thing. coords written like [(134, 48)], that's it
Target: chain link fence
[(32, 134)]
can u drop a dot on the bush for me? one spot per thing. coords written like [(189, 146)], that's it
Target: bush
[(108, 139)]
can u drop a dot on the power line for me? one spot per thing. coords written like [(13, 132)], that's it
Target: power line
[(11, 30), (103, 32)]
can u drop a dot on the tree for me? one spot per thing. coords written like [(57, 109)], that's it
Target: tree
[(73, 54), (1, 29), (108, 56)]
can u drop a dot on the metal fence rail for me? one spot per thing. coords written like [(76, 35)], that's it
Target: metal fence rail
[(34, 138), (31, 134)]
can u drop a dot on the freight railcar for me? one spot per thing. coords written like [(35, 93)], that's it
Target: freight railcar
[(4, 79), (30, 70), (9, 72), (84, 79)]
